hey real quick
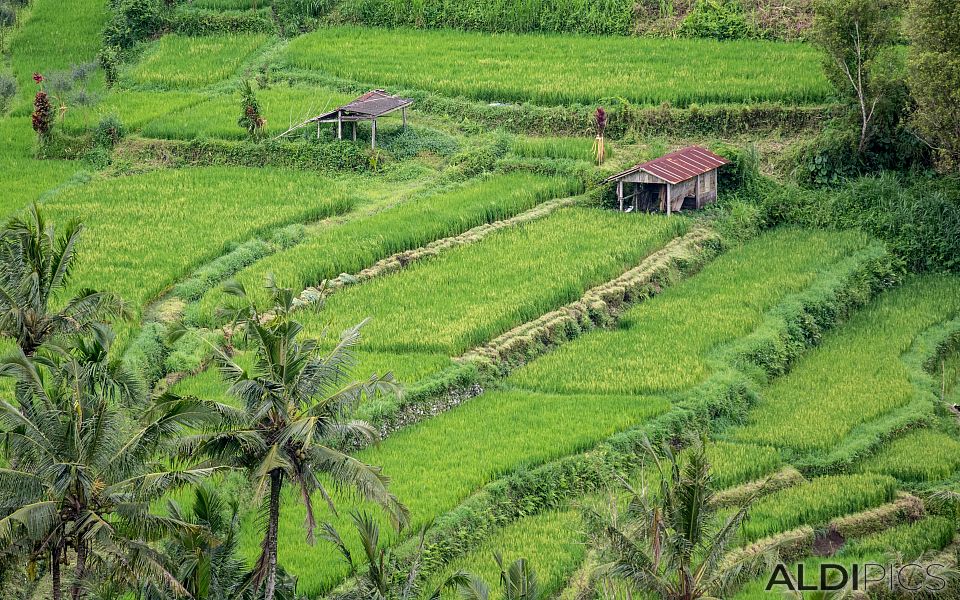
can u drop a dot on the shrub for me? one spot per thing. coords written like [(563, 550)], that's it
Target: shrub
[(829, 158), (718, 19), (109, 131), (8, 91), (109, 60), (8, 16), (132, 21)]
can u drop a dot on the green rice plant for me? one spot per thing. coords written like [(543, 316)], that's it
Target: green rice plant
[(144, 232), (668, 344), (856, 375), (552, 557), (357, 244), (509, 278), (816, 502), (558, 70), (282, 106), (24, 179), (920, 456), (177, 61), (733, 464), (908, 540), (134, 108), (437, 463), (575, 148), (57, 35)]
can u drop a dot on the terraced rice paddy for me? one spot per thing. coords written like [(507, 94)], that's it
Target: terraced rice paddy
[(507, 279), (283, 107), (193, 216), (670, 345), (212, 59), (838, 387), (413, 223), (553, 69)]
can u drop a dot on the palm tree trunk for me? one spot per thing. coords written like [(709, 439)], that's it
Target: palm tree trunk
[(55, 572), (276, 480), (80, 572)]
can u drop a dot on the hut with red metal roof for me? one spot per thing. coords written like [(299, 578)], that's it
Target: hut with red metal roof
[(685, 179)]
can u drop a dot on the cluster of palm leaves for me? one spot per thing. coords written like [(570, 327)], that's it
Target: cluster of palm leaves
[(670, 542), (88, 451)]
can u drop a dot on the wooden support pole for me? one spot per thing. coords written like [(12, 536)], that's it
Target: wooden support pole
[(620, 194), (318, 130), (373, 134), (339, 126), (404, 113), (354, 131), (669, 200)]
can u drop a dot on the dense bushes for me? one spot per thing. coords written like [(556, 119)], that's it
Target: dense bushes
[(196, 21), (719, 19), (132, 21), (918, 216)]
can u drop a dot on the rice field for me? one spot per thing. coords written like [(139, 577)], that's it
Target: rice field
[(282, 106), (816, 502), (509, 278), (58, 35), (839, 386), (176, 61), (134, 108), (909, 540), (553, 558), (146, 231), (670, 344), (357, 244), (558, 70), (24, 179), (920, 456), (573, 148)]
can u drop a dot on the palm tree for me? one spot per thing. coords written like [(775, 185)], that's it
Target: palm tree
[(386, 578), (82, 472), (292, 406), (35, 268), (671, 542), (519, 582)]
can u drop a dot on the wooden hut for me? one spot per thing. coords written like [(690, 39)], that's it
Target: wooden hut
[(685, 179), (368, 107)]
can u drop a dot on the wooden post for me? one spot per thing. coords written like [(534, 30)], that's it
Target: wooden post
[(669, 200), (318, 130), (620, 194), (403, 111), (339, 126), (373, 134), (354, 131)]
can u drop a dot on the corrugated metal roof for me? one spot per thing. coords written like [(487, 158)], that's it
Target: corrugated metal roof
[(678, 166), (374, 103)]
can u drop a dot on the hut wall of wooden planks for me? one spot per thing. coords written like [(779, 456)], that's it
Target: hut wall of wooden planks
[(681, 180)]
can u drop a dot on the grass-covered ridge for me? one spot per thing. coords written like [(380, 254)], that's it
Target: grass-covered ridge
[(555, 70)]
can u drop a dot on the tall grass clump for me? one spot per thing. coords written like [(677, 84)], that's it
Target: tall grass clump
[(561, 70)]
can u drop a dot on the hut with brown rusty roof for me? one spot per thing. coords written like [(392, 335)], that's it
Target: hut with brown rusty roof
[(685, 179), (368, 107)]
